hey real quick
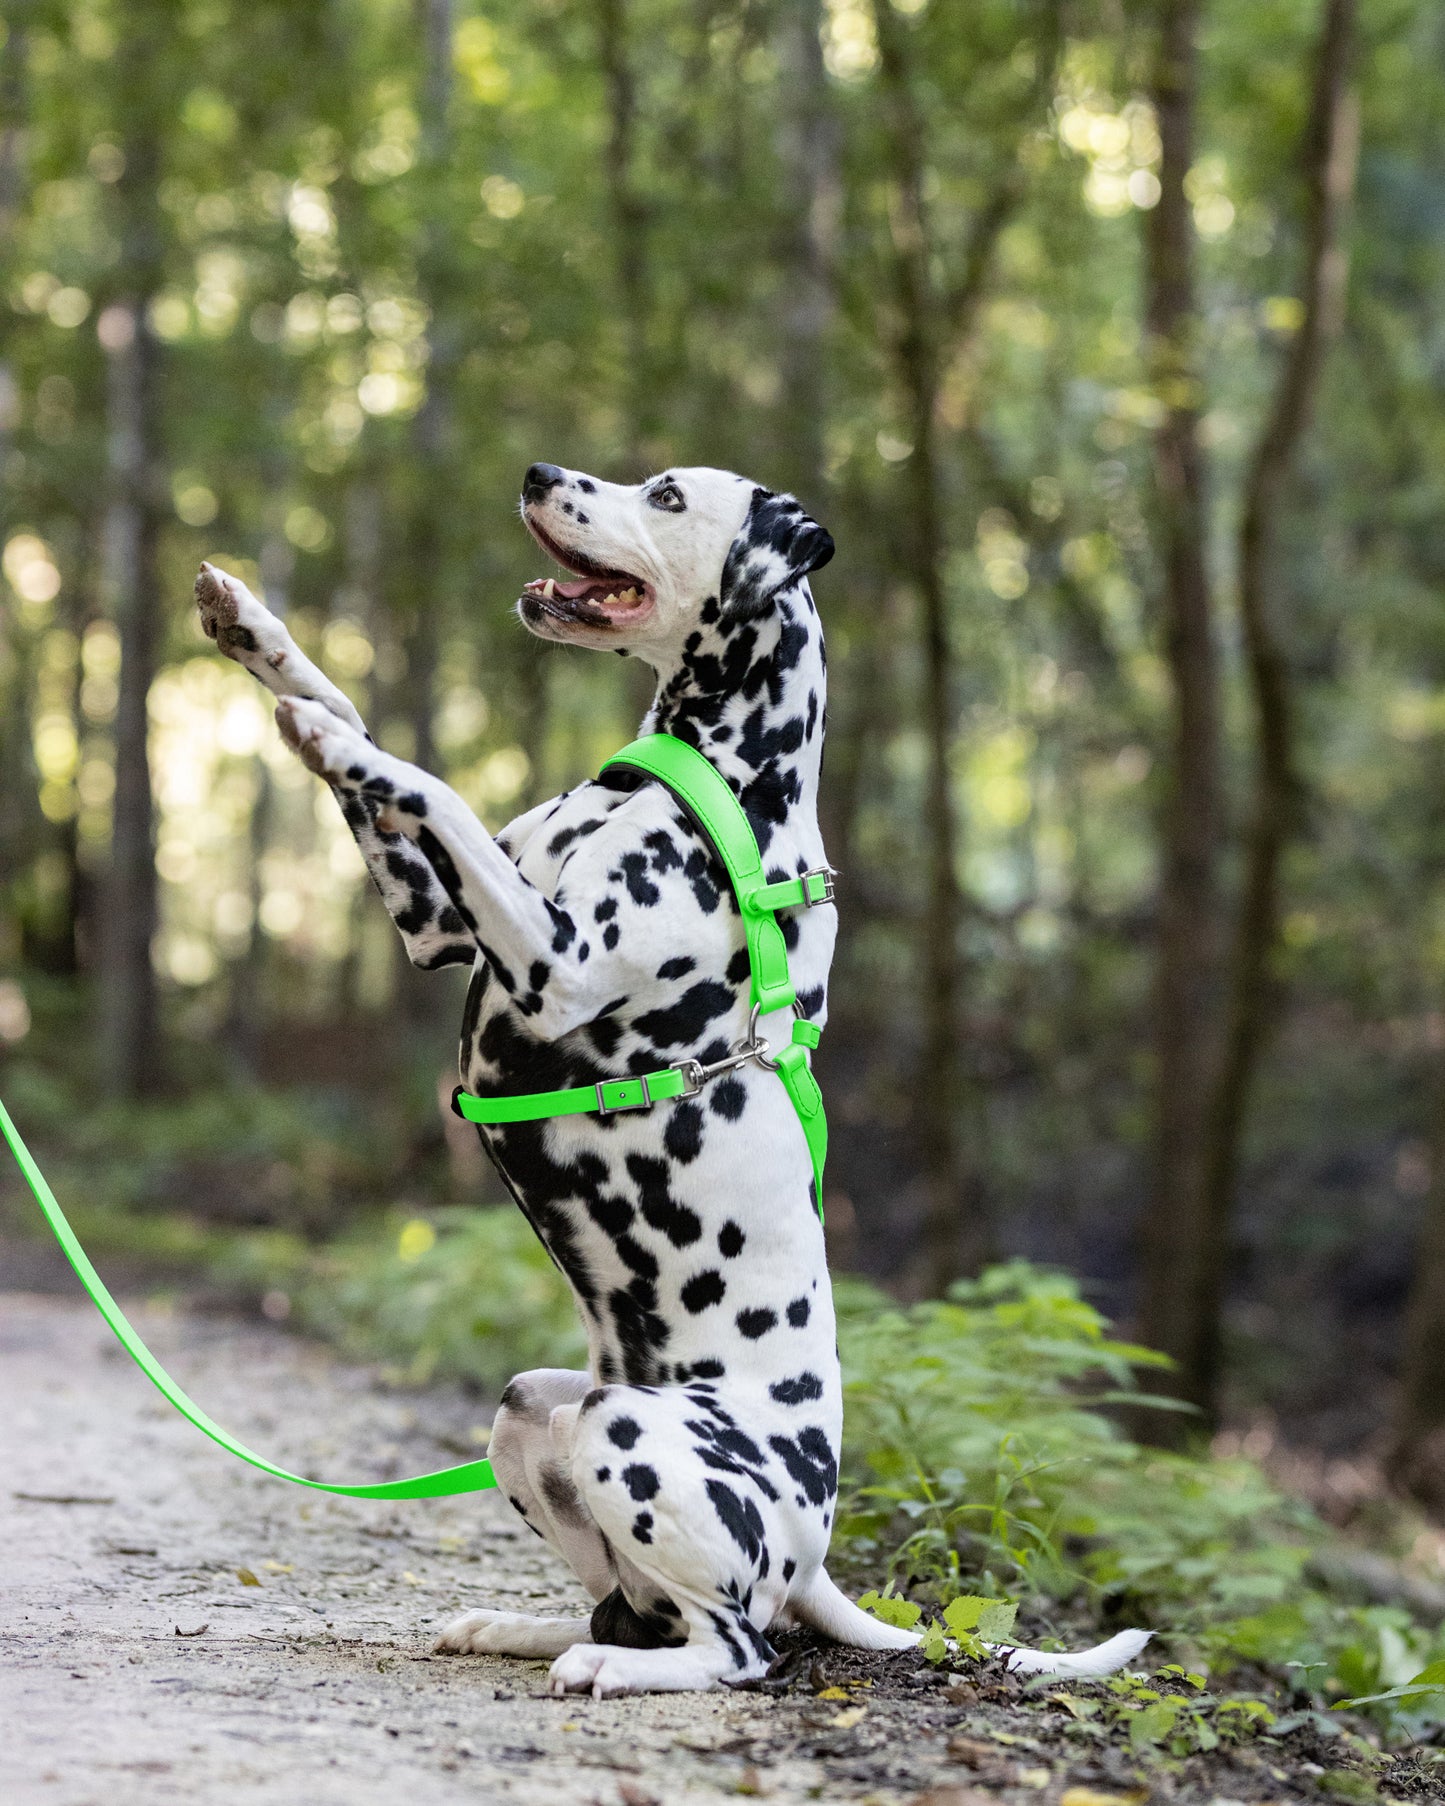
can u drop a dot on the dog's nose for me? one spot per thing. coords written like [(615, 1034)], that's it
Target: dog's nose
[(539, 479)]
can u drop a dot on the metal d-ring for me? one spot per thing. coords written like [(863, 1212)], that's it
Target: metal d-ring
[(757, 1048)]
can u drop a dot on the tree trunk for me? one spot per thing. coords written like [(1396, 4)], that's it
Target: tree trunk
[(629, 225), (1329, 158), (953, 1237), (19, 807), (933, 320), (1179, 1257), (1416, 1458), (130, 1055), (808, 155), (426, 537)]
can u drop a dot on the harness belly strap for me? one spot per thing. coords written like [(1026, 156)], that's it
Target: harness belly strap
[(709, 800)]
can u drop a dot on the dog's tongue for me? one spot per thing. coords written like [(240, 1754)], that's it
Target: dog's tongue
[(583, 586)]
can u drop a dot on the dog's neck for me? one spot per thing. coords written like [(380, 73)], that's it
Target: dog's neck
[(752, 696)]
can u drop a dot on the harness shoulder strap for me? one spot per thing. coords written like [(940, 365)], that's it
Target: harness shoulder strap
[(708, 798)]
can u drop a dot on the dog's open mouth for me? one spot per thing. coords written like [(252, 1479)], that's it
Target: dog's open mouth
[(601, 596)]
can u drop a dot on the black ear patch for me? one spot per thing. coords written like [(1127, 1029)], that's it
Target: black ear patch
[(778, 544)]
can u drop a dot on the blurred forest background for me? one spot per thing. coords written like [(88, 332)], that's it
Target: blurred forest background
[(1108, 339)]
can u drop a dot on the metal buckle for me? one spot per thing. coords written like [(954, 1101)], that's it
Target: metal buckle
[(606, 1109), (830, 892)]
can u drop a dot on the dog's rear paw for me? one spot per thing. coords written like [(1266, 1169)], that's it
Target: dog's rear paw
[(580, 1670)]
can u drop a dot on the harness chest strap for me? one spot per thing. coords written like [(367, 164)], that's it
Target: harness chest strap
[(709, 800)]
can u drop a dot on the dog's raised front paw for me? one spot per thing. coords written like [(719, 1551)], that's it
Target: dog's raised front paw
[(323, 744), (243, 628)]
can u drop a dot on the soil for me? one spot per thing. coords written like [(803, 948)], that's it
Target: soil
[(174, 1625)]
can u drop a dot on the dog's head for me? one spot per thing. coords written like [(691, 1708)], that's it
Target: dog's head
[(653, 560)]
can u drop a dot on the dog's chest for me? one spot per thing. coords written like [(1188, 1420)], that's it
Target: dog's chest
[(676, 1225)]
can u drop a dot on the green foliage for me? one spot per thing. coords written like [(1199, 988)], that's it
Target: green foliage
[(463, 1294), (975, 1449), (1175, 1717)]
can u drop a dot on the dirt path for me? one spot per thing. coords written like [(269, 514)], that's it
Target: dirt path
[(176, 1626), (121, 1526)]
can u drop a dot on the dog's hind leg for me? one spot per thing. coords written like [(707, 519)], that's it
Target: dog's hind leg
[(535, 1413), (822, 1607)]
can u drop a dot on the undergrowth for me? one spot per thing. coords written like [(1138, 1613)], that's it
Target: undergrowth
[(983, 1458)]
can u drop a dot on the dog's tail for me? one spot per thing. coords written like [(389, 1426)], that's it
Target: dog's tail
[(823, 1608)]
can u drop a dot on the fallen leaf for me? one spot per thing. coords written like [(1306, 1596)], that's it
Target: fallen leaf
[(247, 1578), (833, 1693), (750, 1782), (631, 1794), (844, 1721), (973, 1751), (199, 1631), (279, 1567), (1091, 1796), (961, 1694), (1034, 1777)]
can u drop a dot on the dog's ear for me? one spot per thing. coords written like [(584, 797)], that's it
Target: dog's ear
[(779, 543)]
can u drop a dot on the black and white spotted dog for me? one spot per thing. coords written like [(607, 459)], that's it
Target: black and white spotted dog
[(689, 1476)]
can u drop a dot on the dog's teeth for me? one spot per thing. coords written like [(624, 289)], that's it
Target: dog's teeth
[(629, 596), (549, 588), (607, 599)]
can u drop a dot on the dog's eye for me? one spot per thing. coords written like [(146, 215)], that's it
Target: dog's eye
[(669, 496)]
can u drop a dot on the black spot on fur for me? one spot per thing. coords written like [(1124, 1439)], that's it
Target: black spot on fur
[(640, 1480), (623, 1432), (739, 1516), (756, 1322), (798, 1312), (676, 968), (683, 1135), (703, 1290), (810, 1463), (684, 1022), (642, 1527), (659, 1208), (800, 1390), (730, 1239), (728, 1099), (562, 1496)]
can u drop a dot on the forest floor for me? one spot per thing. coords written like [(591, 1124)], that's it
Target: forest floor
[(175, 1626)]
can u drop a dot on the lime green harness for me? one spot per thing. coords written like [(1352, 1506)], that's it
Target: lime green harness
[(708, 800)]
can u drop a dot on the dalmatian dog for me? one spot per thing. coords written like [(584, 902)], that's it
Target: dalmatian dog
[(689, 1476)]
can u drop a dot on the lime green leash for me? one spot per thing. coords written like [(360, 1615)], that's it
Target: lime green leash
[(708, 799)]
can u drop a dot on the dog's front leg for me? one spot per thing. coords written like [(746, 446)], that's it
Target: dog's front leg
[(531, 945), (246, 631)]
